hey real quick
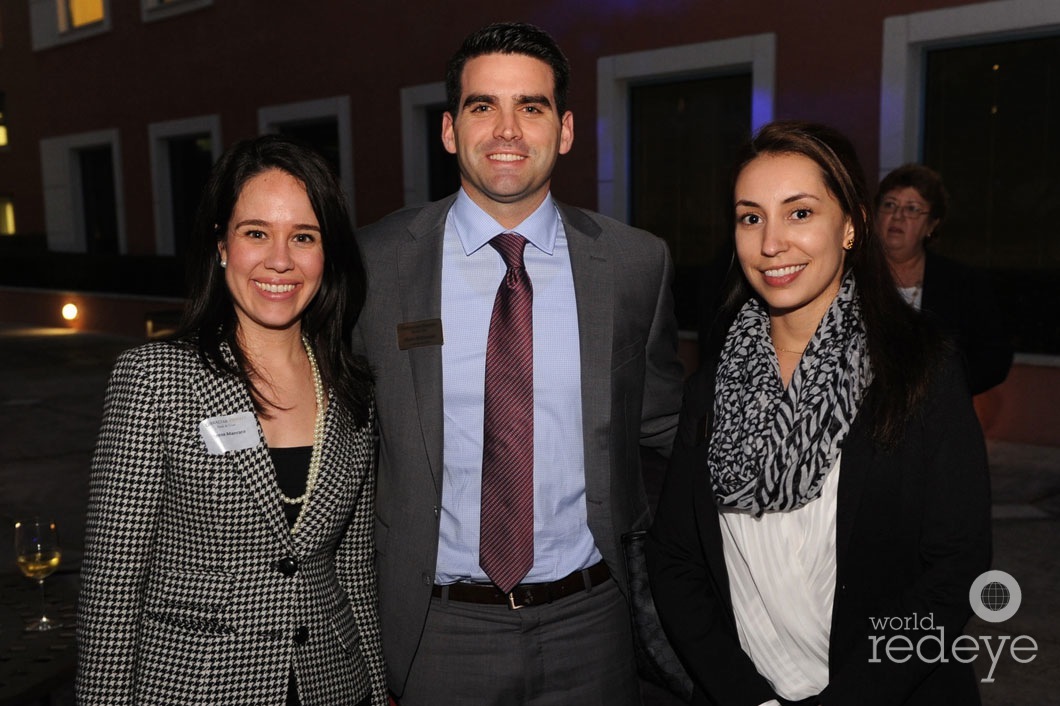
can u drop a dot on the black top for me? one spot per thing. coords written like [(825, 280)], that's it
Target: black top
[(292, 470)]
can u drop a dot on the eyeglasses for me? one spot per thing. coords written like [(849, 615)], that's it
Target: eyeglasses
[(910, 211)]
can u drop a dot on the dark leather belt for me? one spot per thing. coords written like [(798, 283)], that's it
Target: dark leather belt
[(525, 594)]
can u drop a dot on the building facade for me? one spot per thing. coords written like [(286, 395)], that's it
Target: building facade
[(111, 112)]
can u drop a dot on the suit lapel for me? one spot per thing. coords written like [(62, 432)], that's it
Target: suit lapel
[(224, 395), (420, 289), (338, 431), (593, 281)]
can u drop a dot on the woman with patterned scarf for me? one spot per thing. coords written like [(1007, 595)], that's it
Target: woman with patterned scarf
[(828, 499)]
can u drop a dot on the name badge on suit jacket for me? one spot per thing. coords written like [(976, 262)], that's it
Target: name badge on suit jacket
[(414, 334), (232, 432)]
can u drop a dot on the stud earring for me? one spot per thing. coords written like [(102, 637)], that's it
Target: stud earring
[(849, 244)]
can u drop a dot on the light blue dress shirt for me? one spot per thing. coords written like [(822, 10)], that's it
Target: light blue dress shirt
[(471, 272)]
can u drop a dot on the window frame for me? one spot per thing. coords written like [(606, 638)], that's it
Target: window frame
[(159, 135), (271, 118), (154, 10), (46, 26), (906, 41), (61, 176), (415, 104), (616, 72)]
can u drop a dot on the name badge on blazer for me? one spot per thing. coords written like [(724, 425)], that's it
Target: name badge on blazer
[(413, 334), (232, 432)]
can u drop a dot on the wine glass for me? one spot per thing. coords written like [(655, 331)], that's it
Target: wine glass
[(37, 554)]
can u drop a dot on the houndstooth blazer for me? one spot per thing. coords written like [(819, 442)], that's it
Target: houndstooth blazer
[(194, 590)]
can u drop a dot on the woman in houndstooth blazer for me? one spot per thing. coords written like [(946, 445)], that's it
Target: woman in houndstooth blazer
[(228, 555)]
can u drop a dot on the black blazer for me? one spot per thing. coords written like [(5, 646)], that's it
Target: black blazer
[(912, 533)]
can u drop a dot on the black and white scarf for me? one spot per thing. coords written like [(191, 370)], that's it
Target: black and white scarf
[(771, 448)]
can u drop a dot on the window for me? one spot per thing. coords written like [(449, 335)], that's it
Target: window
[(83, 200), (1005, 210), (79, 13), (190, 159), (151, 10), (7, 216), (683, 137), (54, 22), (182, 153), (3, 120), (324, 124), (642, 97), (98, 201), (443, 172), (429, 171), (321, 133), (933, 58)]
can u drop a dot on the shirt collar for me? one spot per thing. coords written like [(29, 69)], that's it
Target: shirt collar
[(475, 227)]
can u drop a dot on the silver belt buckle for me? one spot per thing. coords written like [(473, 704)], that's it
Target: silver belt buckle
[(512, 605)]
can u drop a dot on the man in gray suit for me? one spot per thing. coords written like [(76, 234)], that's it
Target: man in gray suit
[(605, 380)]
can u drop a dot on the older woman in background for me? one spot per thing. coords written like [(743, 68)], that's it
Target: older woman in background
[(911, 205)]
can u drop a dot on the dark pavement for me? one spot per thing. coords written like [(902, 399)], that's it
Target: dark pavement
[(51, 396)]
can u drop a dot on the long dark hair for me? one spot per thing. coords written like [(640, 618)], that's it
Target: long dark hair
[(903, 348), (209, 316)]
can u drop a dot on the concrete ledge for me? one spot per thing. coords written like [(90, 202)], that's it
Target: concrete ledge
[(117, 314)]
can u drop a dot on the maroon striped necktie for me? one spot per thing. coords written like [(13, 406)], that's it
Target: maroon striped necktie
[(506, 542)]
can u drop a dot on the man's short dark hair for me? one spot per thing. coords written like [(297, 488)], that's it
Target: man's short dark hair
[(508, 38)]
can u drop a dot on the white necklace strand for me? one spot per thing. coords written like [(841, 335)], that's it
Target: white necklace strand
[(318, 440)]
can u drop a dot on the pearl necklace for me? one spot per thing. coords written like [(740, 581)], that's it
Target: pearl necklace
[(318, 439)]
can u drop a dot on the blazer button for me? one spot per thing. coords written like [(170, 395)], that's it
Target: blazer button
[(287, 566), (301, 635)]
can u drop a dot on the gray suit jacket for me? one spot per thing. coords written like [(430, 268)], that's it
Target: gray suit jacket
[(184, 599), (631, 391)]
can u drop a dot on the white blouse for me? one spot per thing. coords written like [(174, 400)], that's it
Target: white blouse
[(782, 577)]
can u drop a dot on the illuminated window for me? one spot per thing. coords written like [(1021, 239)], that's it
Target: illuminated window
[(3, 122), (79, 13), (7, 216), (54, 22)]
